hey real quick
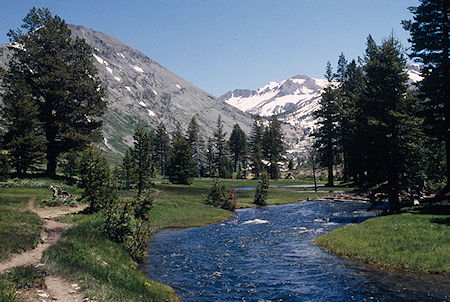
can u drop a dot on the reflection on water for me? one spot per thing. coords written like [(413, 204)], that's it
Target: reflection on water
[(267, 254)]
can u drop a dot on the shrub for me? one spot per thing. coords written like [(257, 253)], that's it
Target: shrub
[(218, 197), (126, 222), (99, 188), (262, 190)]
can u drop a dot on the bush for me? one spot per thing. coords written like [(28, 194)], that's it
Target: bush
[(218, 197), (126, 222), (59, 201)]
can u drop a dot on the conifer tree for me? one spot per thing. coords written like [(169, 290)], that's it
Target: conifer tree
[(142, 159), (392, 128), (70, 166), (238, 147), (430, 45), (273, 146), (255, 146), (196, 142), (262, 190), (60, 74), (181, 167), (128, 169), (162, 148), (220, 149), (24, 138), (210, 157), (343, 124), (325, 133), (352, 123), (99, 188)]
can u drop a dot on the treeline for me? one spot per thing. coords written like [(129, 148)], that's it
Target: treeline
[(185, 155), (385, 135)]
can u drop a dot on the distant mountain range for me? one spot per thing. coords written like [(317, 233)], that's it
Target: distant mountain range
[(293, 100)]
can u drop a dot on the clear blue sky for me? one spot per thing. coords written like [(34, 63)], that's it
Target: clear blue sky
[(220, 45)]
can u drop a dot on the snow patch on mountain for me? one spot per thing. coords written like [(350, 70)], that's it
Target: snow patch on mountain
[(138, 69), (293, 100)]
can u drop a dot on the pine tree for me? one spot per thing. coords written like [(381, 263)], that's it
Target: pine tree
[(24, 138), (343, 124), (430, 45), (352, 122), (70, 166), (325, 133), (99, 189), (128, 169), (210, 157), (255, 146), (181, 167), (60, 73), (142, 159), (238, 148), (392, 126), (273, 146), (221, 149), (196, 142), (162, 148), (262, 190)]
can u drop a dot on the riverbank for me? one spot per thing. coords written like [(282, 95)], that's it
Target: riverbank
[(103, 269), (417, 240)]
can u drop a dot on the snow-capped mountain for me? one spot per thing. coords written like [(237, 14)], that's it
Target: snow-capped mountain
[(293, 101)]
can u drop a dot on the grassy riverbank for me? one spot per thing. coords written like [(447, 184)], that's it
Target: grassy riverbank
[(104, 269), (417, 240)]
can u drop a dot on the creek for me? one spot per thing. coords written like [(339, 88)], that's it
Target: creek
[(267, 254)]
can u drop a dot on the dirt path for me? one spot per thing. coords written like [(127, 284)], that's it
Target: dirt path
[(57, 289)]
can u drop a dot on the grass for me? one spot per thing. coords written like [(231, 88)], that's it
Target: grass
[(102, 268), (418, 240), (20, 229), (19, 278), (178, 206)]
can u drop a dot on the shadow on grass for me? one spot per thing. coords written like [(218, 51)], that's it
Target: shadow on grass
[(445, 221), (436, 209)]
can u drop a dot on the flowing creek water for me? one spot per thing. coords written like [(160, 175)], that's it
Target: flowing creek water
[(267, 254)]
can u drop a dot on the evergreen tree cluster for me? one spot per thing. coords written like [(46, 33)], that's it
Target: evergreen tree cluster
[(263, 151), (373, 126)]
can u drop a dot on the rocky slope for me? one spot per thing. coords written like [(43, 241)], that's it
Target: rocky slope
[(139, 90)]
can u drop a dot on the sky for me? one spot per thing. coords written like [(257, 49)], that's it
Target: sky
[(222, 45)]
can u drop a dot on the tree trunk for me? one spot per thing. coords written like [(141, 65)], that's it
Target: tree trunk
[(51, 163), (394, 203), (330, 176)]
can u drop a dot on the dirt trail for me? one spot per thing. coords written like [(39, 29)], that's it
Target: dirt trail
[(57, 289)]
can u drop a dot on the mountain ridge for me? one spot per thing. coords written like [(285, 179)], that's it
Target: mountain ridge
[(139, 90)]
